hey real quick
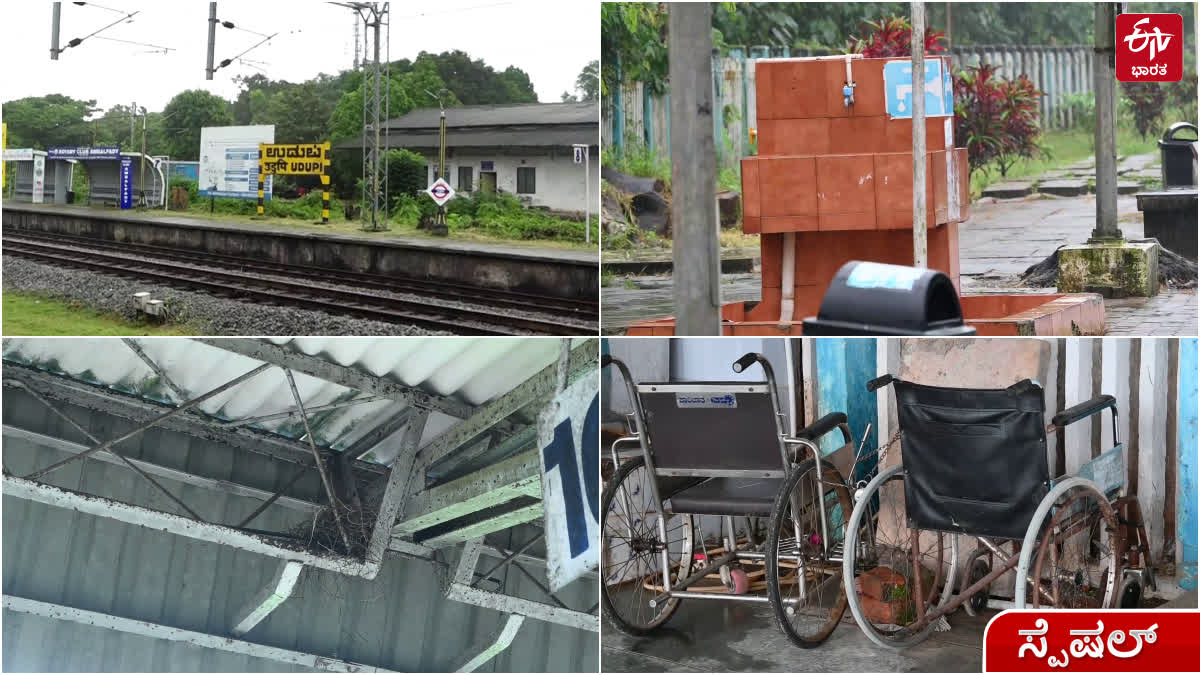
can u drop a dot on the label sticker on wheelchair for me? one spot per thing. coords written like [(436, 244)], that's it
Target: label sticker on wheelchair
[(879, 275), (705, 400)]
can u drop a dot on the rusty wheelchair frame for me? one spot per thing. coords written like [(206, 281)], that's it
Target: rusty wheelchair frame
[(975, 464), (887, 547)]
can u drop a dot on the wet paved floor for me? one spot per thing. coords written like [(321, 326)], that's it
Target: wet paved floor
[(1001, 240), (717, 636)]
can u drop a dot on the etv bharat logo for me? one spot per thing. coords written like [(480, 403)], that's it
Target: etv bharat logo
[(1156, 41), (1149, 47)]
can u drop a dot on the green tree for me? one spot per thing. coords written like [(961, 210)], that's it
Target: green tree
[(187, 113), (422, 80), (42, 121), (633, 45), (259, 108), (587, 83), (473, 81), (112, 128), (517, 86), (300, 114), (347, 118)]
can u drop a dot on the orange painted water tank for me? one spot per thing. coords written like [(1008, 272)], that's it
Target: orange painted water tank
[(840, 176)]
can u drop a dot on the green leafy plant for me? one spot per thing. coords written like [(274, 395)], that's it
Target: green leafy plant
[(1182, 94), (185, 183), (996, 118), (499, 215), (1082, 108), (1147, 103)]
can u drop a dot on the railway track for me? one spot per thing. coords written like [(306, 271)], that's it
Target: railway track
[(481, 312)]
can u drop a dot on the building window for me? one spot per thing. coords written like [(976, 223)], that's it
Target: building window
[(526, 180), (464, 178)]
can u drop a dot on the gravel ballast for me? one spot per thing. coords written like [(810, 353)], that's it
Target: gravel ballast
[(209, 315)]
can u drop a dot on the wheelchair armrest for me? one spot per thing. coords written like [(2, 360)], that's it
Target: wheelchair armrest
[(822, 426), (1082, 410)]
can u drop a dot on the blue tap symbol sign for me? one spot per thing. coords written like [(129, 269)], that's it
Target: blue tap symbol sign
[(898, 89)]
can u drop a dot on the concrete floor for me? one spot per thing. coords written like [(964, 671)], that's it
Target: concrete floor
[(716, 636)]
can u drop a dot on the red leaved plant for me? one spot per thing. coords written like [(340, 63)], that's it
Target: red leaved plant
[(1148, 102), (892, 36), (996, 118)]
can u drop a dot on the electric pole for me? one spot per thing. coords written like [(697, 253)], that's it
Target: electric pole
[(212, 39), (142, 183), (55, 18), (1106, 132), (696, 272), (920, 243)]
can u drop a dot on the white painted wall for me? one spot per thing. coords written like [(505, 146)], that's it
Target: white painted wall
[(560, 183)]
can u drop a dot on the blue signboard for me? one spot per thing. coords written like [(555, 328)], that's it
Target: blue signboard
[(898, 87), (126, 182), (84, 152), (189, 170)]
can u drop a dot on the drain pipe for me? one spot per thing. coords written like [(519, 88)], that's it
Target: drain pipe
[(788, 281)]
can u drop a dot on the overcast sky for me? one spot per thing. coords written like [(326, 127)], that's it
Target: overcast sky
[(551, 41)]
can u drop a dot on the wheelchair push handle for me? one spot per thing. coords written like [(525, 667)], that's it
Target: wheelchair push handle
[(823, 426), (747, 360), (881, 382)]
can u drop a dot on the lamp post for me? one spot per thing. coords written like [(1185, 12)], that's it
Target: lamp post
[(439, 223), (142, 181)]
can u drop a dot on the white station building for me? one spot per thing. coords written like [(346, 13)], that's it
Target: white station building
[(522, 149)]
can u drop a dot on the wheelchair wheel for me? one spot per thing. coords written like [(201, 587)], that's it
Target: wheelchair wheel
[(804, 572), (979, 569), (881, 573), (1071, 557), (631, 562)]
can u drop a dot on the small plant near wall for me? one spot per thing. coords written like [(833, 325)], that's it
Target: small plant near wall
[(892, 36), (996, 118), (1147, 102)]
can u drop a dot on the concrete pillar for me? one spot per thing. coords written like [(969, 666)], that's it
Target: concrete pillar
[(1106, 124), (696, 275)]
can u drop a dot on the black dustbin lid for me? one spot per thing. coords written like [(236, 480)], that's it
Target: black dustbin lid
[(1168, 137), (867, 298)]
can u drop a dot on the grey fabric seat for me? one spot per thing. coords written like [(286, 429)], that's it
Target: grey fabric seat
[(729, 497)]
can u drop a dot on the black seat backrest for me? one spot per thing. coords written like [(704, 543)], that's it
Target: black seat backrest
[(975, 459), (711, 428)]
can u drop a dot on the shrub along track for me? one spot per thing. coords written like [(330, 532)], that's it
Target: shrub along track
[(457, 308)]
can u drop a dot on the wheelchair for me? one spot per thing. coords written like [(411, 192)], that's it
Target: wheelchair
[(974, 463), (720, 449)]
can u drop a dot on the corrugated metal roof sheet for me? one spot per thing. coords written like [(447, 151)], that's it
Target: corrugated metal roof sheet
[(500, 115), (400, 620), (473, 370)]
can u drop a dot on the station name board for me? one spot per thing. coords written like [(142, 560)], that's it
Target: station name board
[(302, 159), (84, 152)]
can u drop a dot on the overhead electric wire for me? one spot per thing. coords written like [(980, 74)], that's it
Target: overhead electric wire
[(98, 6), (226, 62), (76, 42), (133, 42), (232, 26), (453, 10)]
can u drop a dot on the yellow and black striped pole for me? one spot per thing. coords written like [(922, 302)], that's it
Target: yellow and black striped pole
[(261, 177), (325, 184)]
